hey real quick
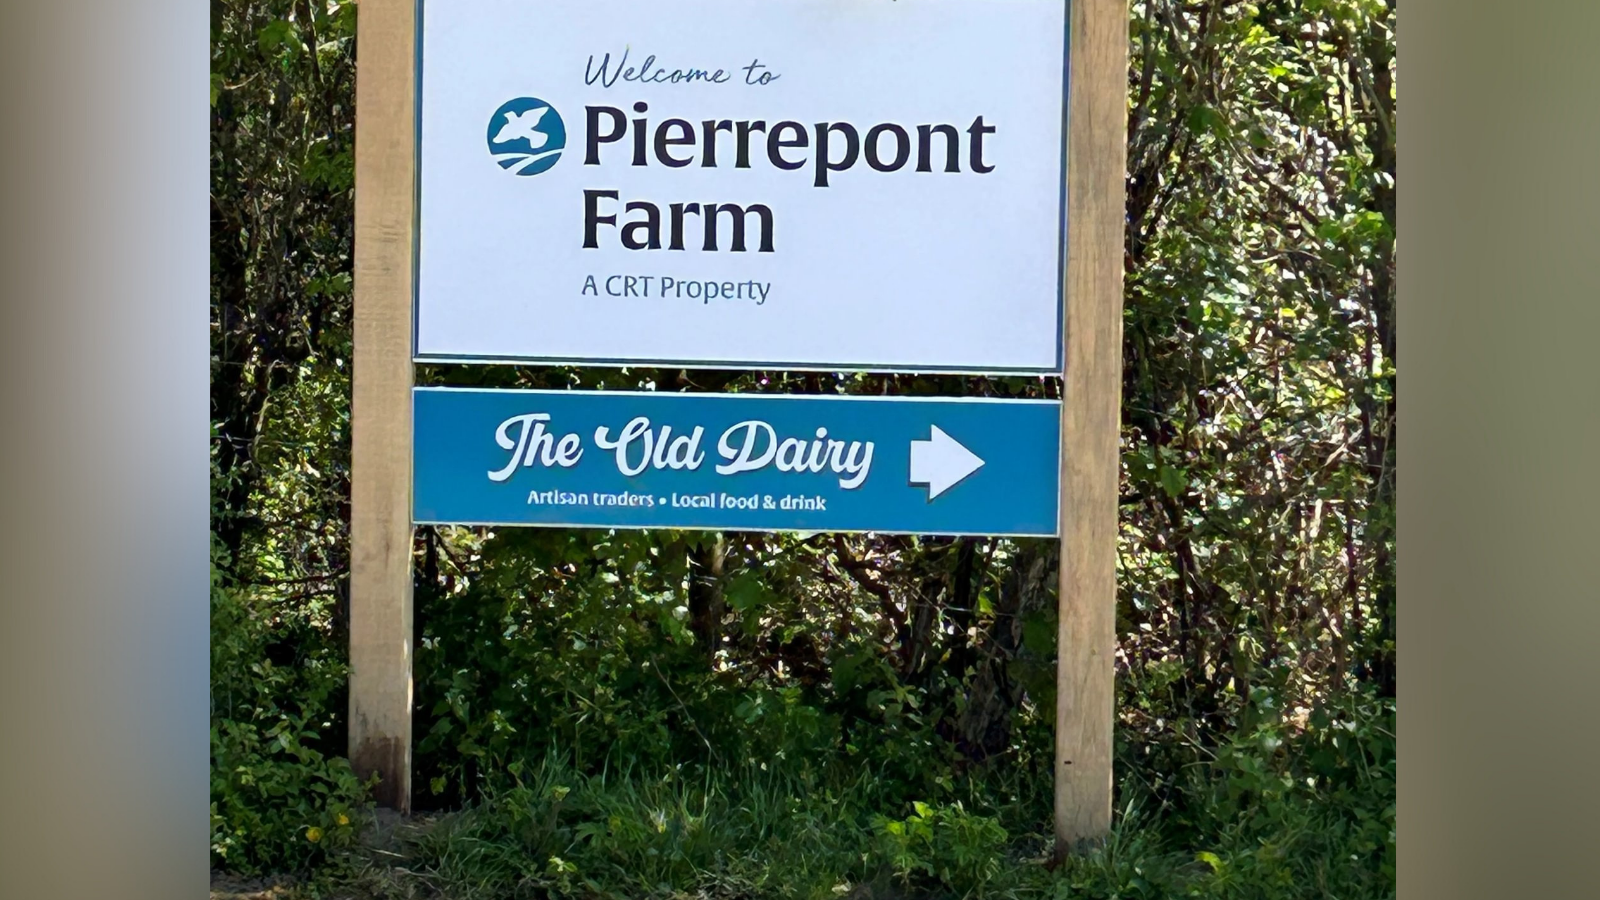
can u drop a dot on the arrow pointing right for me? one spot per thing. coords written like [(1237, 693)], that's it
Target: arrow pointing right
[(941, 462)]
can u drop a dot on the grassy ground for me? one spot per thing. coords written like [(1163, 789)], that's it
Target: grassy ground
[(758, 834)]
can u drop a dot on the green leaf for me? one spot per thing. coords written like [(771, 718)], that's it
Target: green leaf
[(1174, 481), (1205, 119), (745, 591), (278, 34), (1039, 634)]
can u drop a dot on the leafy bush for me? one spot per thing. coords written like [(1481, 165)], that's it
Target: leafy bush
[(279, 800), (277, 804), (945, 844), (744, 715)]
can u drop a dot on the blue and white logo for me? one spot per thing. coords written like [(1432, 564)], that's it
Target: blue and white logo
[(526, 136)]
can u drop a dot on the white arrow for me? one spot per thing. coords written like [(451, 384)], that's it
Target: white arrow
[(941, 462)]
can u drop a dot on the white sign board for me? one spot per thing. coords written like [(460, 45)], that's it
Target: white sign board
[(824, 184)]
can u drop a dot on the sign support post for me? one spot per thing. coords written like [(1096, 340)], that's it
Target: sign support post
[(1090, 421), (488, 183), (380, 414)]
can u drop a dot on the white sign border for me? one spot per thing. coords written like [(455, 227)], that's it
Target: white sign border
[(744, 395), (1056, 369)]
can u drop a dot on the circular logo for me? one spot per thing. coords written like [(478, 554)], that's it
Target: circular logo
[(526, 136)]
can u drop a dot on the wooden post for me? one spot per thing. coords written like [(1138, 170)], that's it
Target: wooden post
[(380, 412), (1090, 420)]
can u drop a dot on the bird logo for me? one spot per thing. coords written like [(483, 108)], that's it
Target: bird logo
[(526, 136)]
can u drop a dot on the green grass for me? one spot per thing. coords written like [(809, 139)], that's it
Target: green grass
[(768, 834)]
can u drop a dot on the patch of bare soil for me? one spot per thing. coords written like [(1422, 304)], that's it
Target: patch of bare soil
[(378, 870), (231, 887)]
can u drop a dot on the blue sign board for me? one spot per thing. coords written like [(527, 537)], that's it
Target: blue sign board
[(754, 462)]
